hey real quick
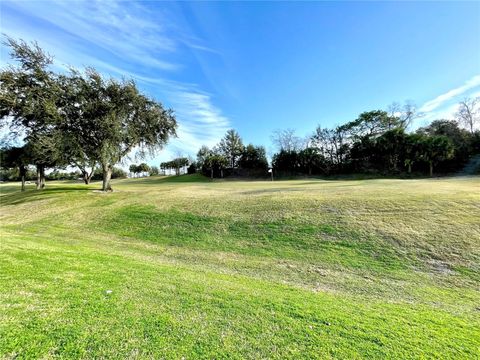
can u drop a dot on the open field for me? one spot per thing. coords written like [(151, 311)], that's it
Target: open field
[(188, 268)]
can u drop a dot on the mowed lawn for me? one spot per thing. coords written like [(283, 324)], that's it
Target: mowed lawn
[(186, 268)]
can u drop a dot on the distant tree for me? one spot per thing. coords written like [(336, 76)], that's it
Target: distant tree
[(287, 140), (435, 149), (286, 162), (176, 164), (117, 173), (143, 168), (133, 169), (468, 113), (163, 168), (391, 146), (253, 157), (461, 140), (16, 157), (310, 160), (231, 147), (372, 123), (412, 150), (332, 144), (216, 162), (192, 169), (405, 113), (202, 154), (167, 165), (179, 163), (363, 155), (154, 171)]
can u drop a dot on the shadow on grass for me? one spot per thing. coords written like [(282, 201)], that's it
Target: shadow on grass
[(192, 178), (30, 195), (302, 179)]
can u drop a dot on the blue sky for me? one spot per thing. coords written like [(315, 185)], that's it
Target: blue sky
[(258, 67)]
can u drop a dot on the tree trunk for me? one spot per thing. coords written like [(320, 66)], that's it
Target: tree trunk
[(211, 173), (107, 175), (221, 173), (394, 162), (22, 175), (87, 177), (431, 169), (409, 168), (40, 177)]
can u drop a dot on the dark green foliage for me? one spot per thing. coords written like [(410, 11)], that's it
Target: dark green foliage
[(192, 169), (311, 161), (462, 141), (139, 169), (143, 167), (133, 169), (377, 143), (117, 173), (16, 158), (58, 175), (435, 149), (253, 158), (13, 174), (286, 162), (412, 150)]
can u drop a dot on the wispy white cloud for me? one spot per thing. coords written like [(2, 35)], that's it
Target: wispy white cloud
[(444, 113), (445, 105), (127, 32), (449, 95), (201, 123)]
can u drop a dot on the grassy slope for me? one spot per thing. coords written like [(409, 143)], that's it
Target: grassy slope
[(343, 269)]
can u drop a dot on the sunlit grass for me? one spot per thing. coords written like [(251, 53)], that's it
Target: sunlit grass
[(229, 269)]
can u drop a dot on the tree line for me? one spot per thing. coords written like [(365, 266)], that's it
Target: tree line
[(376, 142), (231, 157), (79, 118), (84, 120)]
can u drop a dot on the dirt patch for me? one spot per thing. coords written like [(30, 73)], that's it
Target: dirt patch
[(440, 267)]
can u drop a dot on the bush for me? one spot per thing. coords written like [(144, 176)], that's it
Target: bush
[(117, 173)]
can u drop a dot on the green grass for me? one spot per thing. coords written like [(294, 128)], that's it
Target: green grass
[(189, 268)]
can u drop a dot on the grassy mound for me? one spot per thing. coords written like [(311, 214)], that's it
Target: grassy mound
[(185, 267)]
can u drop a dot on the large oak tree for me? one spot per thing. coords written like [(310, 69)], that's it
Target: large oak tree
[(107, 119)]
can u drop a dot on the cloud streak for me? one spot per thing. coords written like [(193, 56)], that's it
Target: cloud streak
[(449, 95), (125, 32)]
